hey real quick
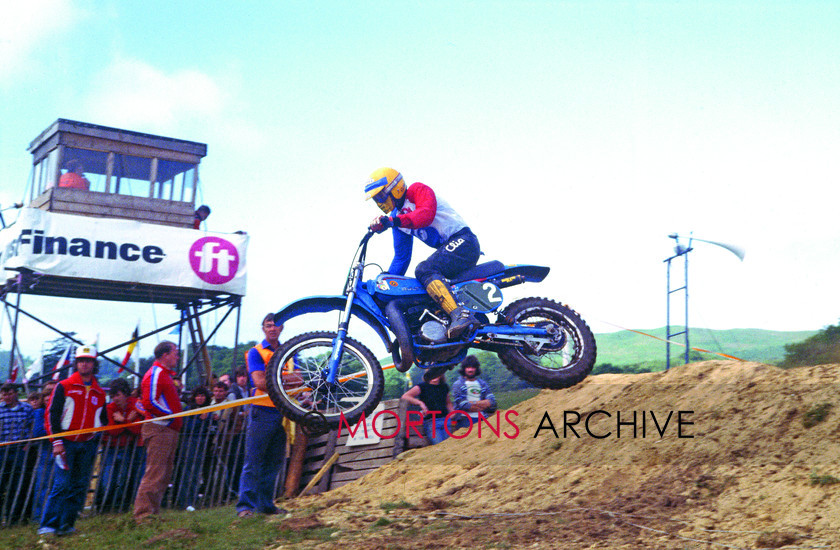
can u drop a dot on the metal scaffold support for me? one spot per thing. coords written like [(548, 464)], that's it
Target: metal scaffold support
[(111, 216), (679, 252)]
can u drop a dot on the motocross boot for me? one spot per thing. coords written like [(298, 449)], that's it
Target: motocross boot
[(461, 319)]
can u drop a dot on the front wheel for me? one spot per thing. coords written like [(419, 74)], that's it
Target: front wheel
[(297, 379), (558, 365)]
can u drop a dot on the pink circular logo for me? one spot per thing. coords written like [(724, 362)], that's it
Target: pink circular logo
[(214, 260)]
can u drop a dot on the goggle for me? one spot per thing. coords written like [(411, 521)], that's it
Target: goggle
[(384, 193)]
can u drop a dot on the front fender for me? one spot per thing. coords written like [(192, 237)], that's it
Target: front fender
[(324, 304)]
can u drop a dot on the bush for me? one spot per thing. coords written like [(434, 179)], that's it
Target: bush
[(819, 349), (816, 414)]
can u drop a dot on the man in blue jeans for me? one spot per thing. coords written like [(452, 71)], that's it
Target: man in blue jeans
[(78, 402), (265, 438)]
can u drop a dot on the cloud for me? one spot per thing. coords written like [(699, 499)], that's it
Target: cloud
[(131, 93), (24, 26)]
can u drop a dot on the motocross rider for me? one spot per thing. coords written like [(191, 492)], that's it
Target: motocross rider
[(415, 211)]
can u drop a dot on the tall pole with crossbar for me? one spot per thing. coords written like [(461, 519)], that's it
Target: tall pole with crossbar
[(681, 251)]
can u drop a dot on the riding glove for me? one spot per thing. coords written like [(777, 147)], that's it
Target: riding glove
[(381, 223)]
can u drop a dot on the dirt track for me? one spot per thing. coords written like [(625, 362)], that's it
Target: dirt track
[(747, 472)]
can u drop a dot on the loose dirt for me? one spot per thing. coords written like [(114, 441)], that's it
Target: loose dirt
[(725, 461)]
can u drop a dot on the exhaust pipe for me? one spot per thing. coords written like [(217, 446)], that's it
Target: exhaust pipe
[(403, 350)]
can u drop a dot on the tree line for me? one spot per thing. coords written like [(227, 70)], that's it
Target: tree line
[(820, 349)]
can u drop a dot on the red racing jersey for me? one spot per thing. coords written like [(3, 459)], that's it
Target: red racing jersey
[(423, 215)]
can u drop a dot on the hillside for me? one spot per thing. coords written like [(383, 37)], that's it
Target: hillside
[(627, 351), (628, 348), (746, 473)]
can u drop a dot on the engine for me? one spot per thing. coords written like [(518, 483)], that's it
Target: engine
[(428, 322)]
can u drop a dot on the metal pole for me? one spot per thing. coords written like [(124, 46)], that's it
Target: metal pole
[(14, 329), (686, 302), (668, 316), (236, 338), (678, 251), (12, 326)]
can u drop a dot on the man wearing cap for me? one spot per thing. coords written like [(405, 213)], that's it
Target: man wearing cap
[(159, 397), (77, 403)]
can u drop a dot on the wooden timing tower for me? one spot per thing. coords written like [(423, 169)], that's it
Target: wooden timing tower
[(128, 237)]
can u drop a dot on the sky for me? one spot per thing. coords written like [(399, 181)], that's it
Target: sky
[(576, 135)]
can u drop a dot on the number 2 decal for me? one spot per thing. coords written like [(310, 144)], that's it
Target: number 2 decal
[(493, 295)]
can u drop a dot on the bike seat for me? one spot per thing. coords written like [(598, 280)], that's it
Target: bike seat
[(481, 271)]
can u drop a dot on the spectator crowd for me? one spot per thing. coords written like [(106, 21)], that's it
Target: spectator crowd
[(208, 457), (232, 455)]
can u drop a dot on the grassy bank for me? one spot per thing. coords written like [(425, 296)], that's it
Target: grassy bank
[(212, 529)]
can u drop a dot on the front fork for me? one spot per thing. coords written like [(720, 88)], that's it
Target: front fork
[(338, 350), (338, 342)]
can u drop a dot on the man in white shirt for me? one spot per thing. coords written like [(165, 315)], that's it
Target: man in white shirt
[(471, 394)]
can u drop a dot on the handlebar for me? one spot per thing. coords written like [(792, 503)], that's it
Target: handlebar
[(367, 237)]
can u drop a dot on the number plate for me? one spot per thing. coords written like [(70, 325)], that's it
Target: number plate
[(482, 297)]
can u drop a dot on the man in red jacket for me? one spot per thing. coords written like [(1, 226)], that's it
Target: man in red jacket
[(160, 398), (77, 403)]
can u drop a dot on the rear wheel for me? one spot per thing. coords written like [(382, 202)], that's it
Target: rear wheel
[(562, 363), (297, 379)]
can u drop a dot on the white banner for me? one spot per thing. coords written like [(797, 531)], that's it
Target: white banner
[(124, 250)]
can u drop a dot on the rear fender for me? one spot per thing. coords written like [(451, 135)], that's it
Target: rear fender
[(325, 304)]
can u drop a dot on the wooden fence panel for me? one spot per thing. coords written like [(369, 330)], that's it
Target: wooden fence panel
[(355, 461)]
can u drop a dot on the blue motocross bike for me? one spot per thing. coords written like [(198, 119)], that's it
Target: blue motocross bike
[(541, 341)]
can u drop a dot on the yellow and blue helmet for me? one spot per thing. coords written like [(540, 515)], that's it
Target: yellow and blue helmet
[(386, 187)]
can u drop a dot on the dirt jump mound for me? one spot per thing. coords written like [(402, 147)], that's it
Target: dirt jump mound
[(706, 455)]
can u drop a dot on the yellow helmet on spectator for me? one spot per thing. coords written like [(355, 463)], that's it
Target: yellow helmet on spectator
[(386, 187)]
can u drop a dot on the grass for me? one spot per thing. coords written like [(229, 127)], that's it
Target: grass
[(628, 348), (815, 415), (401, 505), (211, 529), (381, 522), (508, 399), (825, 479)]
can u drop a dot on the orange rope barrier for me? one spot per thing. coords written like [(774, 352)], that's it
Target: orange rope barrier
[(261, 400), (673, 342)]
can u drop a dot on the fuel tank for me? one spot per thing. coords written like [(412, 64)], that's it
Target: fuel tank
[(394, 286)]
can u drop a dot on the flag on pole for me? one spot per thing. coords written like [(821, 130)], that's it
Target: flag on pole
[(131, 347), (13, 374), (63, 362), (35, 369)]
